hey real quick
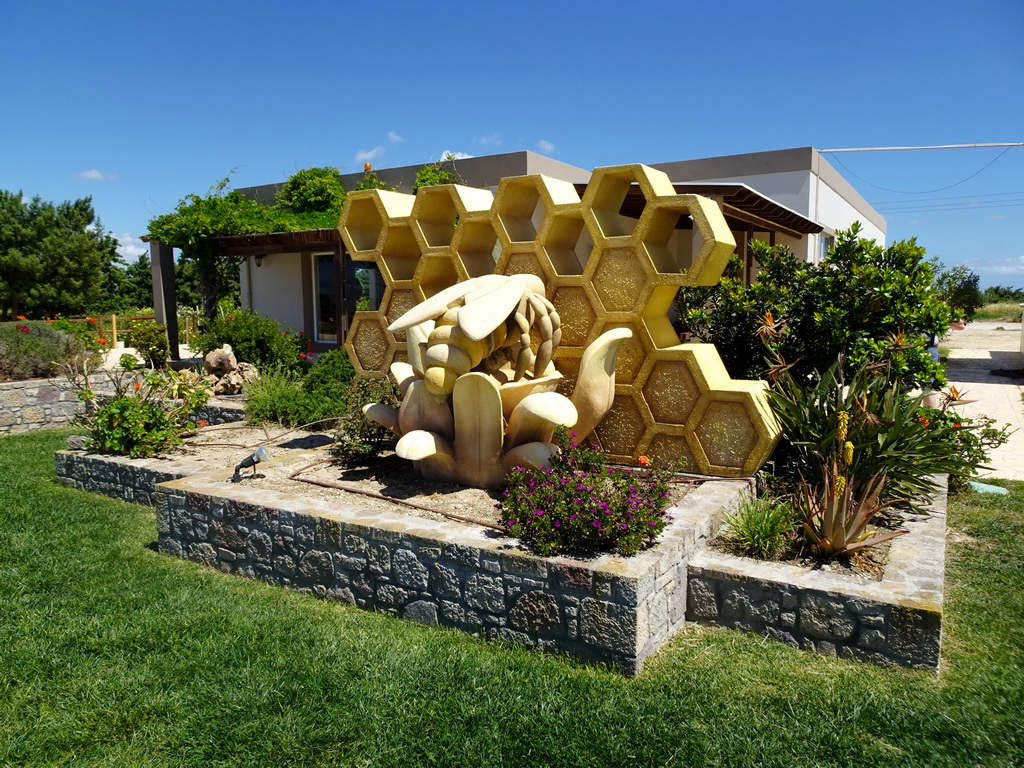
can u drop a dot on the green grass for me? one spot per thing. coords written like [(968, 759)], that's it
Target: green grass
[(114, 655), (1006, 312)]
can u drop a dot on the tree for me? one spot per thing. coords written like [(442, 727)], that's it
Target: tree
[(863, 302), (53, 257), (958, 287)]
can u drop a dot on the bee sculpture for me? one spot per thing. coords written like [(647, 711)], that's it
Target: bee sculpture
[(469, 322)]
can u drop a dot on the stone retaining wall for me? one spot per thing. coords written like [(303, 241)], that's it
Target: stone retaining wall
[(37, 404), (606, 609), (895, 621), (45, 403)]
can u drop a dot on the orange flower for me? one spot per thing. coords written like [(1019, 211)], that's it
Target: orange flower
[(102, 341), (90, 320), (137, 385), (22, 317), (643, 461), (201, 423)]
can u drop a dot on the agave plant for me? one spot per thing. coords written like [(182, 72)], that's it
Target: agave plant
[(836, 517)]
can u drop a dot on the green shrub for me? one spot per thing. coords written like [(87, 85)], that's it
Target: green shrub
[(313, 189), (81, 330), (146, 414), (875, 428), (257, 340), (579, 505), (282, 396), (958, 287), (35, 349), (863, 302), (359, 438), (760, 527), (149, 339)]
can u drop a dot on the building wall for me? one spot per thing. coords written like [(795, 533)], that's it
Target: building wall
[(275, 289)]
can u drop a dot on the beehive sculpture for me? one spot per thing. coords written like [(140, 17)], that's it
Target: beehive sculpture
[(601, 271)]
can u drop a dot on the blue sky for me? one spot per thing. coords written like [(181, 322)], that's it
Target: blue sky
[(139, 104)]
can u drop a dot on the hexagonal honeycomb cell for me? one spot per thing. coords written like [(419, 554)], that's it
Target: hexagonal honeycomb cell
[(397, 301), (727, 435), (669, 450), (435, 273), (399, 254), (475, 244), (560, 240), (520, 263), (364, 217), (619, 278), (622, 428), (523, 204), (576, 313), (437, 212), (367, 344), (607, 191), (713, 242), (671, 391)]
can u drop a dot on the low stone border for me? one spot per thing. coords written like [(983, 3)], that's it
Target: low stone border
[(43, 403), (607, 609), (38, 404), (895, 621)]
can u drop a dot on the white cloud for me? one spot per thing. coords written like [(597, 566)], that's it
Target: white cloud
[(1013, 267), (456, 155), (94, 174), (130, 247), (545, 146), (997, 217), (491, 138), (394, 138), (366, 155)]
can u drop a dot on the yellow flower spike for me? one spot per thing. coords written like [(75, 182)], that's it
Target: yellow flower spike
[(847, 453), (840, 486), (844, 424)]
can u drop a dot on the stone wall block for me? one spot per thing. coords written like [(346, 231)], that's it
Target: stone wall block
[(444, 581), (408, 570), (749, 604), (225, 536), (520, 565), (201, 552), (379, 558), (825, 616), (614, 627), (537, 613), (463, 555), (485, 593), (317, 566), (258, 547), (571, 577), (702, 599), (393, 596), (914, 635), (421, 611)]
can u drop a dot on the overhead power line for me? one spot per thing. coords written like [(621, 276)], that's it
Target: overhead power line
[(903, 149)]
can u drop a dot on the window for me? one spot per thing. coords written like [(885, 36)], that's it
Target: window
[(326, 293), (825, 243)]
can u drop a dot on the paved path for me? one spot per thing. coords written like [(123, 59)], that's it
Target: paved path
[(973, 354)]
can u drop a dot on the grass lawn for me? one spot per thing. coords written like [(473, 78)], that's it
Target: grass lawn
[(1006, 312), (114, 655)]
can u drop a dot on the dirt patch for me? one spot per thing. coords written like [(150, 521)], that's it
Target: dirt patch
[(388, 476)]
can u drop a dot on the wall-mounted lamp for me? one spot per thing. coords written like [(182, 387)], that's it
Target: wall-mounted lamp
[(259, 259), (262, 454)]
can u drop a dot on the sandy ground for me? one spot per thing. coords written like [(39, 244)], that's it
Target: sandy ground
[(973, 354)]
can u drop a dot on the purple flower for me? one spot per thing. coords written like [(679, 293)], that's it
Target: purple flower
[(557, 524), (597, 523)]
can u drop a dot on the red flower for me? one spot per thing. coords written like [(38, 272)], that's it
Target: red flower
[(102, 341), (90, 320), (201, 423), (958, 425), (21, 317), (643, 461), (231, 317), (303, 355), (137, 385), (923, 420)]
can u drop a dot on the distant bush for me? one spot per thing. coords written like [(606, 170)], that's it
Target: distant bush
[(958, 287), (313, 189), (291, 400), (999, 294), (257, 340), (359, 438), (35, 349), (149, 339)]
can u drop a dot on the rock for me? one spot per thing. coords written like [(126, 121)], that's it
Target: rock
[(77, 443), (220, 361), (228, 384)]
